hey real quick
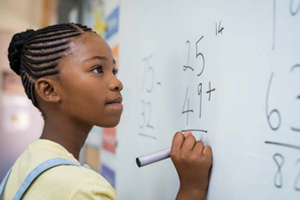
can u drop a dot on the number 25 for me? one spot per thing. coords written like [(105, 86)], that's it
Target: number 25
[(187, 66)]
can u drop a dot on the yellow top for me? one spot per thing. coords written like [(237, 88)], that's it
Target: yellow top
[(63, 182)]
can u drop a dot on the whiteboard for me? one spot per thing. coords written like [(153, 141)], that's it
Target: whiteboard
[(229, 70)]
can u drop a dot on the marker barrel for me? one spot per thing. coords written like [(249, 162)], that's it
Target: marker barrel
[(153, 157)]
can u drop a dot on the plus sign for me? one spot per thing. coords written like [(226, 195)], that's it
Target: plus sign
[(210, 91)]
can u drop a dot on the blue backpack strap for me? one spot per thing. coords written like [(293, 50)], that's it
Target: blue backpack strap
[(39, 170), (3, 184)]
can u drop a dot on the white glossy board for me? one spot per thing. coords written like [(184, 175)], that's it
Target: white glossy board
[(228, 69)]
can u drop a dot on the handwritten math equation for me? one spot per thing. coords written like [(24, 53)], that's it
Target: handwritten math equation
[(274, 116), (149, 83), (198, 70)]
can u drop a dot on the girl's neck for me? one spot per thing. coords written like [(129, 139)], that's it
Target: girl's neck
[(70, 135)]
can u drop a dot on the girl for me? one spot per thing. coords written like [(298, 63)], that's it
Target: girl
[(69, 74)]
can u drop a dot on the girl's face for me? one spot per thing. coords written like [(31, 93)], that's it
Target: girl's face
[(89, 89)]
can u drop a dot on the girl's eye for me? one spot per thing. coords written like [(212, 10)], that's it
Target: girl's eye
[(98, 70), (115, 72)]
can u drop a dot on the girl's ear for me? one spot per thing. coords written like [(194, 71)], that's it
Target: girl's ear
[(46, 90)]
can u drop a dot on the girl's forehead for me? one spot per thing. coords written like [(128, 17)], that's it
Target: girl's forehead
[(89, 43), (84, 47)]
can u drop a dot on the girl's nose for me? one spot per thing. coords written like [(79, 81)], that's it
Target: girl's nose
[(116, 85)]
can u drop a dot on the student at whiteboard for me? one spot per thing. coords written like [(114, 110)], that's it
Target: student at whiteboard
[(69, 74)]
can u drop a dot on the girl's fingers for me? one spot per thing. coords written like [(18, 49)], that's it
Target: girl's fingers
[(187, 133), (199, 147), (207, 151), (189, 143), (177, 141)]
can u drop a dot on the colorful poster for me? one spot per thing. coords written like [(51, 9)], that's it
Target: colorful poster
[(115, 51), (94, 137), (109, 139), (94, 15), (112, 22), (92, 157), (109, 175)]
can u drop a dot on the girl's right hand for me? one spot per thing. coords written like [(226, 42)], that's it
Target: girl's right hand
[(193, 162)]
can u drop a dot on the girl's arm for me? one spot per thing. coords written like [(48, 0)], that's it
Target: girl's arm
[(193, 163)]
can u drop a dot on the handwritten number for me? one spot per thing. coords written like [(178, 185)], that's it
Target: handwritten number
[(186, 103), (279, 160), (292, 11), (150, 69), (149, 116), (147, 86), (147, 70), (200, 95), (187, 66), (144, 78), (202, 56), (219, 29), (297, 181), (144, 111), (143, 114), (274, 111), (298, 97)]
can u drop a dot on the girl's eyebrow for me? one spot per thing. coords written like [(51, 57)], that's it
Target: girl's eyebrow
[(95, 57), (99, 58)]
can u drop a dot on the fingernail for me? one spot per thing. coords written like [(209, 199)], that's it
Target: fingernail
[(187, 133)]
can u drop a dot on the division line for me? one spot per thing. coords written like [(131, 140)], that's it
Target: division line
[(199, 130), (283, 144), (148, 136)]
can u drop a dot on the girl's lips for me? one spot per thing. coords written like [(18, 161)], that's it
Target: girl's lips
[(116, 104), (117, 100)]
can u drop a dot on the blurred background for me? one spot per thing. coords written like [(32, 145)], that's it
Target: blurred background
[(20, 121)]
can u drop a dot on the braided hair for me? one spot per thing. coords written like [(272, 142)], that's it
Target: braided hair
[(35, 54)]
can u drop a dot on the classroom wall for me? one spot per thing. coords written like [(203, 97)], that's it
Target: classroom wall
[(20, 121)]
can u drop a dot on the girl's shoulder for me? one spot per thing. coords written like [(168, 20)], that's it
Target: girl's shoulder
[(64, 180)]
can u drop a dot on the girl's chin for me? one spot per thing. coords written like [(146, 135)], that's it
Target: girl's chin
[(110, 124)]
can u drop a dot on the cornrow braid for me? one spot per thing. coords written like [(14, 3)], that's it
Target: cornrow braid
[(35, 54)]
